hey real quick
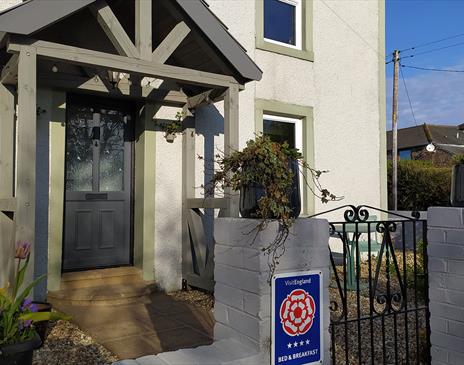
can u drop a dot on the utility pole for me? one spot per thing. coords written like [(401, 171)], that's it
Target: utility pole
[(396, 65)]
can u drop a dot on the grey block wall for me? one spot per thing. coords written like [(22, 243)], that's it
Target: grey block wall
[(446, 284), (242, 293)]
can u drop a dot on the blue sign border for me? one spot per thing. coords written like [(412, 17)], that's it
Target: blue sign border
[(320, 309)]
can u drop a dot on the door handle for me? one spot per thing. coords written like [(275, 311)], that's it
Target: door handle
[(96, 196)]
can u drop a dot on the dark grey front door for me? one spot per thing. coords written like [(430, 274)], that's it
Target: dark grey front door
[(97, 231)]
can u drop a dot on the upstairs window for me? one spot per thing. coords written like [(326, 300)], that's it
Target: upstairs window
[(282, 22)]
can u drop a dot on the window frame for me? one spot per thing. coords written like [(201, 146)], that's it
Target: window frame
[(305, 31), (298, 25), (292, 120), (304, 114)]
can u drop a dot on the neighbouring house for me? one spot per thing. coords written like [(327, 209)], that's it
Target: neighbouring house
[(438, 143), (86, 87)]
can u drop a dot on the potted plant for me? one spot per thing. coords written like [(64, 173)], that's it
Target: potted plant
[(173, 127), (457, 182), (19, 315), (267, 174)]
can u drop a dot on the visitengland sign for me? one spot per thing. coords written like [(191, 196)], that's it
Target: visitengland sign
[(297, 318)]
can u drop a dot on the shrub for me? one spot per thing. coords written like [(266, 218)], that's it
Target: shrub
[(420, 185)]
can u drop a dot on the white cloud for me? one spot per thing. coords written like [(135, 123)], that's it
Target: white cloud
[(437, 97)]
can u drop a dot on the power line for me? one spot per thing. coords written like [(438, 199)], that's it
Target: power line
[(434, 50), (432, 69), (432, 42), (407, 93), (353, 30)]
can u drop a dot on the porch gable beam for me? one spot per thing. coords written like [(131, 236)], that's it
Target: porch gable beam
[(113, 29), (143, 28), (170, 43), (88, 57)]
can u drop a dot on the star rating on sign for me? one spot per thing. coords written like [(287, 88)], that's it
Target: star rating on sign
[(296, 344)]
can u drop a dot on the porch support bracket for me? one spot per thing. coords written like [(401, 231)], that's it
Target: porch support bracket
[(113, 29), (170, 43), (10, 71)]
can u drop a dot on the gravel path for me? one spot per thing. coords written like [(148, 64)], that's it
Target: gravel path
[(380, 337), (66, 344)]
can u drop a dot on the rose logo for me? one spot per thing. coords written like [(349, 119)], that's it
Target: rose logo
[(297, 313)]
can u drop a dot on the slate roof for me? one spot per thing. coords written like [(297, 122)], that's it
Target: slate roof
[(447, 137), (32, 16)]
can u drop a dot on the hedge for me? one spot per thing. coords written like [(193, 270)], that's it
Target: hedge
[(420, 185)]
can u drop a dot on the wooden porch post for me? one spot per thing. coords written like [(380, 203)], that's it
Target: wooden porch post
[(26, 149), (188, 192), (7, 137), (231, 140)]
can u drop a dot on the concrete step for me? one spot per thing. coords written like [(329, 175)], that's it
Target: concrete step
[(224, 352), (113, 294), (101, 277)]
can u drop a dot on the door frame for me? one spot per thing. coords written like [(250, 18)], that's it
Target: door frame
[(105, 102), (143, 186)]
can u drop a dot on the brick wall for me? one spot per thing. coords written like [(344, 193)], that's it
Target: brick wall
[(446, 284), (242, 293)]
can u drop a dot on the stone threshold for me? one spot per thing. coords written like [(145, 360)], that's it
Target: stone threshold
[(223, 352)]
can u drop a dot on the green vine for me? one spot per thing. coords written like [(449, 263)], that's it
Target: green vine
[(266, 163), (174, 126)]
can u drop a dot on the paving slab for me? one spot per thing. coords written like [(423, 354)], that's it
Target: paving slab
[(156, 325)]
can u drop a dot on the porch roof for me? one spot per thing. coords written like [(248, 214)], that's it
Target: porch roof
[(29, 18)]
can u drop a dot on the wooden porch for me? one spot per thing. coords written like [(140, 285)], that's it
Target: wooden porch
[(31, 61)]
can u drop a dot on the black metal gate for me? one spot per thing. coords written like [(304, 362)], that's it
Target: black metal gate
[(379, 288)]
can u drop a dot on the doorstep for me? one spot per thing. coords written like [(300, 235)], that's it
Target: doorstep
[(223, 352)]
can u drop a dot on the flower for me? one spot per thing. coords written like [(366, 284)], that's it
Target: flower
[(23, 250), (24, 325), (27, 305)]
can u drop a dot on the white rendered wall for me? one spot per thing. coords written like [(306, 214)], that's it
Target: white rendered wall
[(341, 85), (346, 110), (5, 4)]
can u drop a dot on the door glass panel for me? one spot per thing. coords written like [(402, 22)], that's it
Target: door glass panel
[(79, 152), (280, 131), (112, 129)]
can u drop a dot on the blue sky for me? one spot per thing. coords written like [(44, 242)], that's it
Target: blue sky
[(437, 97)]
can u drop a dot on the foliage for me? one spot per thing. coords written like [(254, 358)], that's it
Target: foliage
[(266, 163), (17, 313), (174, 126), (415, 270), (458, 159), (420, 185)]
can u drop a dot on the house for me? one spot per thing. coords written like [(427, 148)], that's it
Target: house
[(86, 86), (428, 142)]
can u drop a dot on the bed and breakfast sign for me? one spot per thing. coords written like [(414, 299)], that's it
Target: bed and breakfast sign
[(297, 318)]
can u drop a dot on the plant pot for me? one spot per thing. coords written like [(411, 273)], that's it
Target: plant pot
[(19, 353), (251, 194), (41, 327), (170, 137), (457, 186)]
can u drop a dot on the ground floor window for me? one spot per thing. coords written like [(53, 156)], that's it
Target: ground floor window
[(284, 129)]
